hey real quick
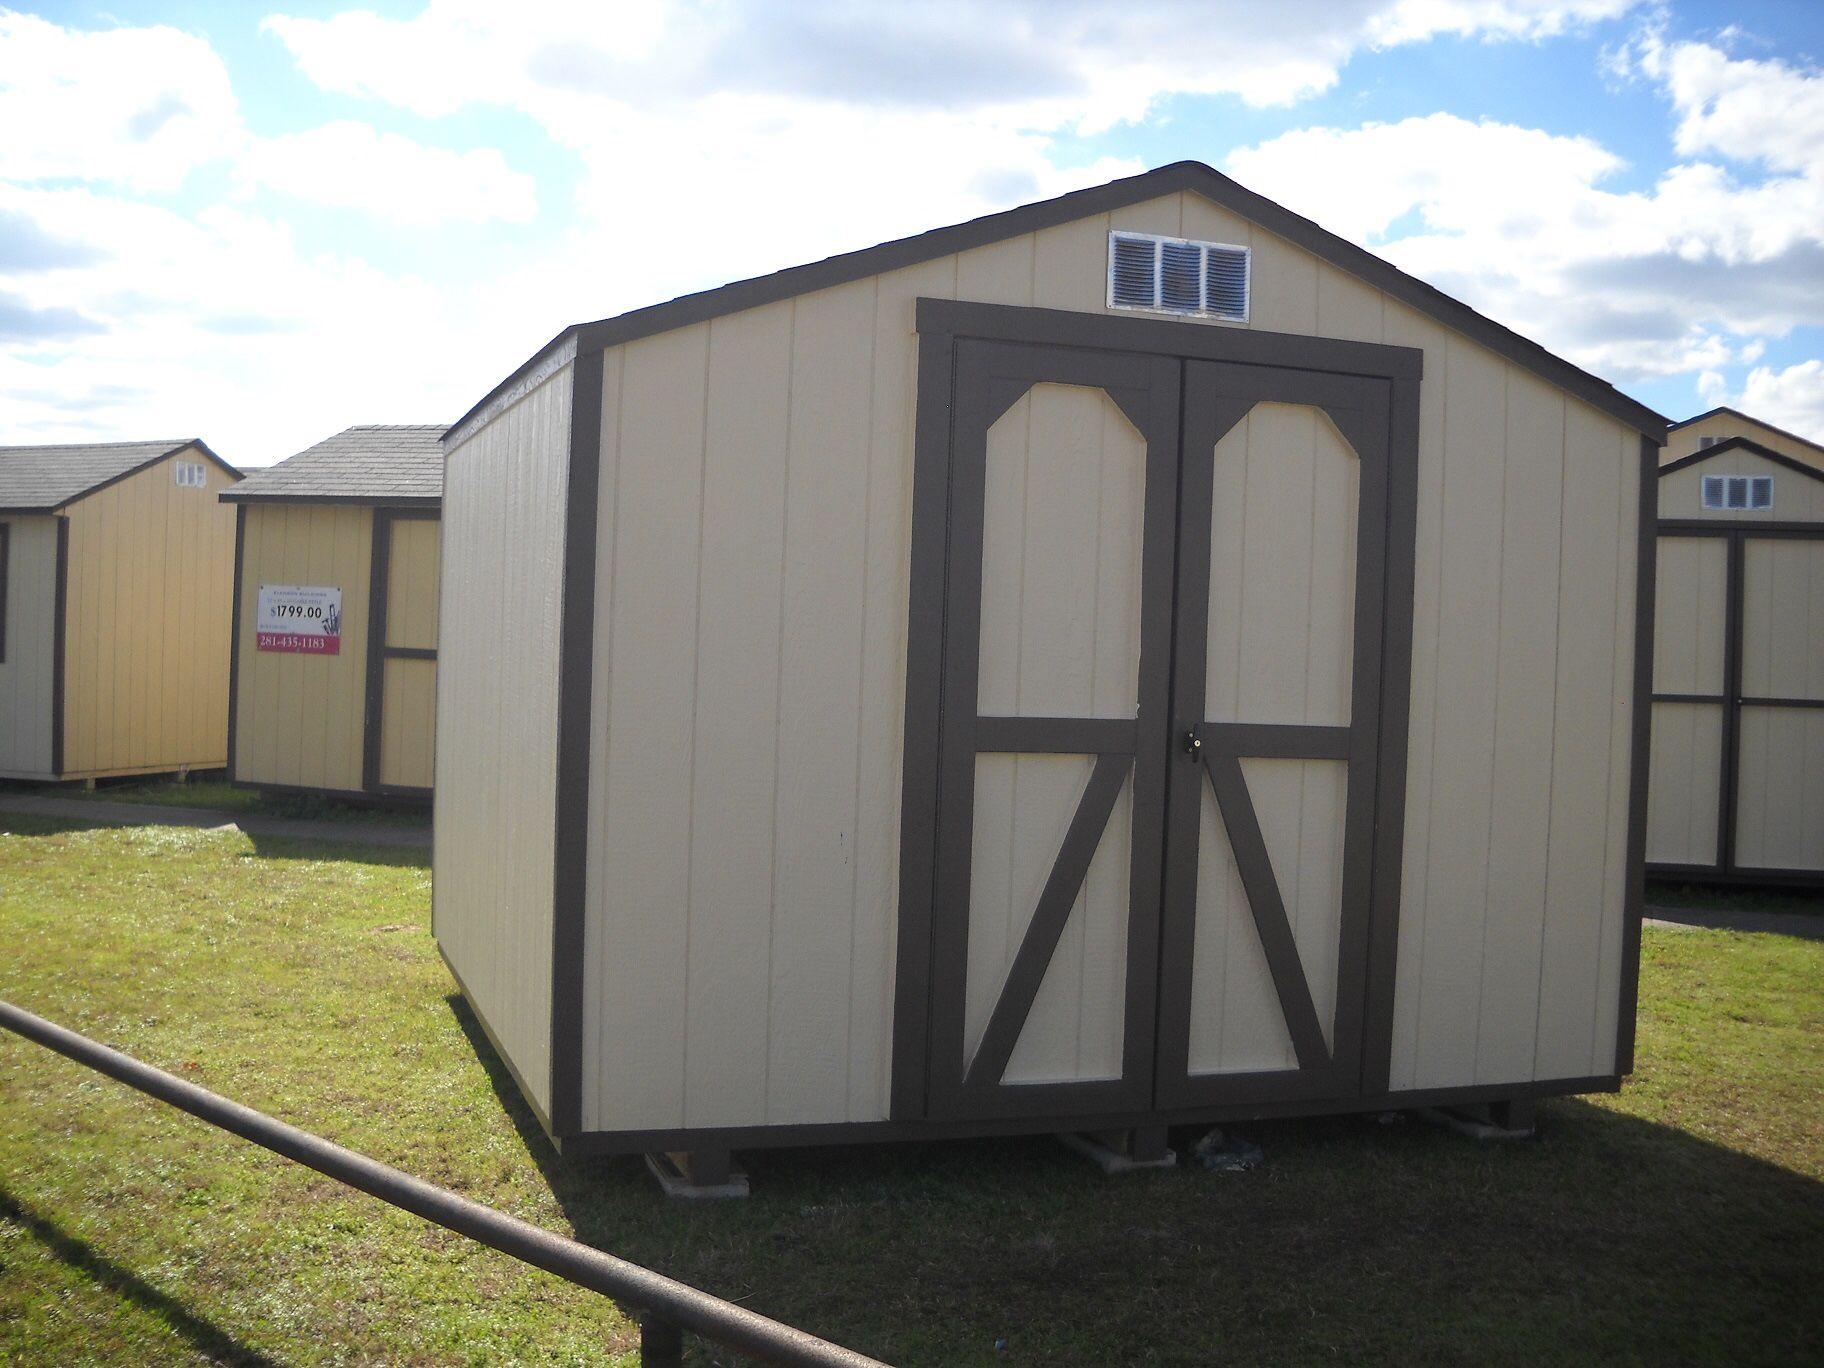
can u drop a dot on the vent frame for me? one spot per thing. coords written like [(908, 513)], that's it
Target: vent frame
[(1161, 244), (1737, 493)]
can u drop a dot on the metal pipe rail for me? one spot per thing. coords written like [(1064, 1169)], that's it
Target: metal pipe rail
[(667, 1306)]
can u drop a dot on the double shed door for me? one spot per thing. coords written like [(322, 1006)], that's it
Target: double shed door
[(1737, 787), (1154, 757)]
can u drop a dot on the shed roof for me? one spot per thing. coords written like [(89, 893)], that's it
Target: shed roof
[(1179, 176), (374, 464), (43, 479)]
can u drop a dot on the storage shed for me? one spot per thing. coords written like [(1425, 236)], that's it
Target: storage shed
[(114, 608), (1720, 424), (1738, 671), (335, 628), (1132, 659)]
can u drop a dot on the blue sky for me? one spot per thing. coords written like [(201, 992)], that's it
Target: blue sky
[(261, 224)]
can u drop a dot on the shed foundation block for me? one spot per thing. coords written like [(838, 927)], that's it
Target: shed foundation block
[(1143, 1147), (697, 1174)]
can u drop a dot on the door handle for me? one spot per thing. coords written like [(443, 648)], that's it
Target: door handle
[(1193, 744)]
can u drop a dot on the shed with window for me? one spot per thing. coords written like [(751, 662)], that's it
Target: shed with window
[(1133, 659), (115, 566), (335, 627), (1738, 674)]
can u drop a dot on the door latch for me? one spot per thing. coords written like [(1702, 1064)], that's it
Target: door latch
[(1193, 743)]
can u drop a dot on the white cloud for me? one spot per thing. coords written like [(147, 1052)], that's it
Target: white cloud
[(1520, 223), (350, 165), (138, 107), (1792, 398), (1063, 60), (1765, 111)]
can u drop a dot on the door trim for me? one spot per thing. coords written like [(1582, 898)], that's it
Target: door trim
[(941, 324), (379, 574)]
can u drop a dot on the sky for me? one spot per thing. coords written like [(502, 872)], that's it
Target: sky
[(262, 223)]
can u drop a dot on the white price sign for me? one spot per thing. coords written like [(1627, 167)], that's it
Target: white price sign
[(304, 618)]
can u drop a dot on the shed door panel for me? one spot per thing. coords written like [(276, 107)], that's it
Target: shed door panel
[(1062, 474), (405, 671), (1275, 712), (1690, 684), (1779, 813)]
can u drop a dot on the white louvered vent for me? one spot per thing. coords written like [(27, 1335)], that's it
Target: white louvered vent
[(1174, 275), (1738, 491)]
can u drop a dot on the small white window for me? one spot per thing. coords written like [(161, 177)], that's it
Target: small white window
[(1738, 491), (190, 474), (1176, 275)]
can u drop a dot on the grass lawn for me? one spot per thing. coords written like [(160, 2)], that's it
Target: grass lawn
[(1681, 1222)]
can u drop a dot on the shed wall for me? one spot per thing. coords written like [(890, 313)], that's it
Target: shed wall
[(1796, 497), (497, 682), (150, 598), (26, 672), (1685, 440), (751, 600), (297, 720)]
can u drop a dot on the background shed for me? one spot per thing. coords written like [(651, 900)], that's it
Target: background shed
[(114, 605), (811, 765), (357, 514), (1738, 673)]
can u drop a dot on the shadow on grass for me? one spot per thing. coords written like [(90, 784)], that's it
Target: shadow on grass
[(266, 845), (1609, 1239), (204, 1336)]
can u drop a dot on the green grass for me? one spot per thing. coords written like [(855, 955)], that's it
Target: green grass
[(1681, 1222)]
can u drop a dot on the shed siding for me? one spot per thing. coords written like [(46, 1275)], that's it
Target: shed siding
[(750, 638), (31, 628), (1796, 497), (498, 654), (1780, 807), (1689, 438), (298, 718), (151, 575)]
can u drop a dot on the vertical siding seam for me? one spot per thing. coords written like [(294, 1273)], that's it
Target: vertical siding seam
[(861, 691), (785, 513), (1431, 749), (1489, 911), (690, 759), (1551, 770), (1621, 694)]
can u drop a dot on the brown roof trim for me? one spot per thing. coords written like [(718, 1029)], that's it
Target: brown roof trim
[(147, 464), (1749, 418), (1101, 199), (1740, 444), (229, 496)]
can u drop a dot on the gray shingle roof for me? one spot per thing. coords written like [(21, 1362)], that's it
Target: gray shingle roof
[(40, 479), (375, 464)]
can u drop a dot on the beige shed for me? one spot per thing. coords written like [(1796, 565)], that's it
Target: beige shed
[(1738, 672), (114, 608), (335, 629), (1133, 659)]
